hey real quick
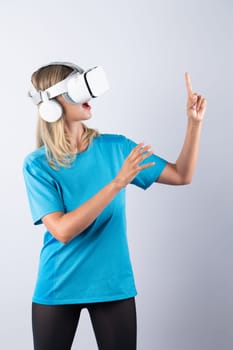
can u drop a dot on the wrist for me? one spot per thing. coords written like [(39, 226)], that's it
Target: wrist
[(194, 123), (117, 184)]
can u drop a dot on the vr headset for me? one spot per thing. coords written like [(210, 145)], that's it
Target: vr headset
[(78, 87)]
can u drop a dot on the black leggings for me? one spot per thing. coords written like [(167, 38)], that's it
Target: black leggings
[(114, 324)]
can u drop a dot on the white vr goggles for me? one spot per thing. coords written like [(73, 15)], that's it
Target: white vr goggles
[(78, 87)]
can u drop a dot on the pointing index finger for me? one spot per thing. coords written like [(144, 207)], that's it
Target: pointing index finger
[(188, 83)]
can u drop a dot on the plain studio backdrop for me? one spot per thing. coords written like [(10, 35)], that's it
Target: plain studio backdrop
[(180, 237)]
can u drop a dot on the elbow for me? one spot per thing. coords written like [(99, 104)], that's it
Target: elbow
[(63, 234), (58, 232), (62, 239), (181, 179), (186, 181), (55, 226), (59, 235)]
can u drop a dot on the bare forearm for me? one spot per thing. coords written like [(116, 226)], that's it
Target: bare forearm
[(77, 220), (187, 159)]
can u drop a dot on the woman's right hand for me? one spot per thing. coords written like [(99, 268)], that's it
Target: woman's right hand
[(130, 167)]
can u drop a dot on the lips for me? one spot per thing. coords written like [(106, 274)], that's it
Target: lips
[(86, 105)]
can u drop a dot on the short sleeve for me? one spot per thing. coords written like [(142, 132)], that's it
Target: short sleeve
[(42, 190), (145, 177)]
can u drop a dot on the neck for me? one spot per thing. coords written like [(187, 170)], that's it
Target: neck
[(75, 131)]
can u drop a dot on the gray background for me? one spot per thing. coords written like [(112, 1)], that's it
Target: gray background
[(180, 237)]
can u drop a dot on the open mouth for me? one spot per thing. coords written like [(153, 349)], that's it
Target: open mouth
[(86, 105)]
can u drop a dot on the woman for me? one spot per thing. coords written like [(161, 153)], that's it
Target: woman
[(76, 181)]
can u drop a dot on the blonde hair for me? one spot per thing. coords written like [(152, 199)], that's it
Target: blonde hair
[(53, 135)]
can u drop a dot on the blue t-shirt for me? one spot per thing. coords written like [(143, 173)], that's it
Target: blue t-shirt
[(95, 265)]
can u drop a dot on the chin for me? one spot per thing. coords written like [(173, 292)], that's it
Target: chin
[(88, 114)]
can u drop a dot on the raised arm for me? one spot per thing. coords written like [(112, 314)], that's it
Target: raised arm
[(181, 172)]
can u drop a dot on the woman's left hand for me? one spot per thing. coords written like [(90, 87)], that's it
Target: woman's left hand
[(196, 104)]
